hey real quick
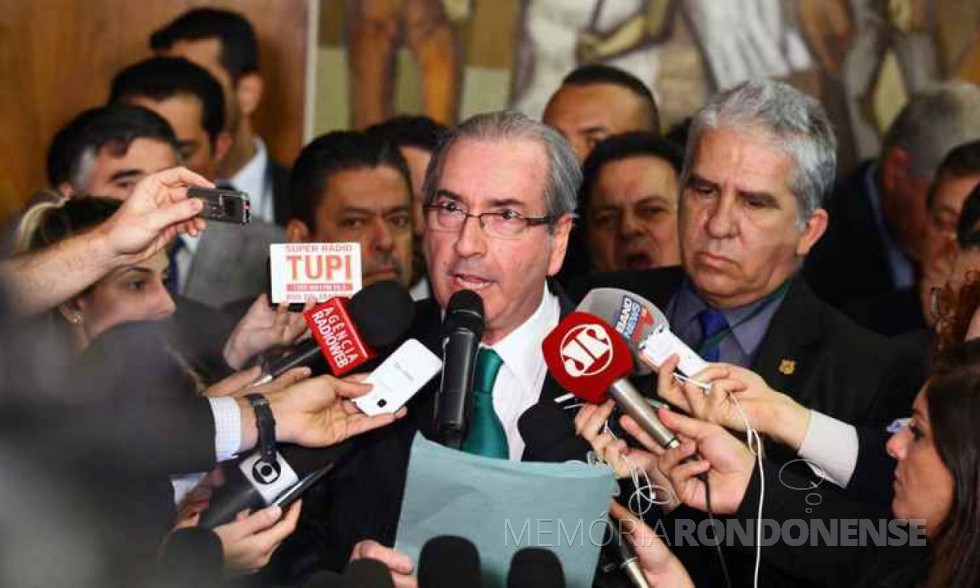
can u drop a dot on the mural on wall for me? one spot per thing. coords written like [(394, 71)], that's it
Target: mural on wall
[(377, 28), (861, 58)]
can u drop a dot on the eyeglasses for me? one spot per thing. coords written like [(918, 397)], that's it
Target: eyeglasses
[(505, 224)]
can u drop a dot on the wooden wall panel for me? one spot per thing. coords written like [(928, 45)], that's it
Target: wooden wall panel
[(57, 58)]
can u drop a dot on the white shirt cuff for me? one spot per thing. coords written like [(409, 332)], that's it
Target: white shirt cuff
[(831, 448), (227, 427)]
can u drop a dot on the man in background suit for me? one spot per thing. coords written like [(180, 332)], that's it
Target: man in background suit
[(500, 196), (761, 159), (229, 261), (224, 43), (878, 215)]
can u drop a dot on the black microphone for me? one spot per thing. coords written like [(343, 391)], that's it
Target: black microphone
[(533, 567), (462, 331), (324, 579), (254, 484), (367, 573), (189, 558), (448, 562), (549, 434), (381, 314)]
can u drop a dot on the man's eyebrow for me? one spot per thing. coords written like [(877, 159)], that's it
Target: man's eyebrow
[(654, 199), (124, 174), (593, 129), (442, 193), (694, 178), (187, 143)]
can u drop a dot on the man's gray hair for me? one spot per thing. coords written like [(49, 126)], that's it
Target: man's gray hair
[(932, 123), (564, 174), (795, 123)]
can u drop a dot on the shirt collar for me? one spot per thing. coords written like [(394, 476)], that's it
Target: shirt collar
[(191, 243), (747, 333), (521, 348)]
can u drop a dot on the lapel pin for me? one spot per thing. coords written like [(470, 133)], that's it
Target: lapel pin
[(787, 367)]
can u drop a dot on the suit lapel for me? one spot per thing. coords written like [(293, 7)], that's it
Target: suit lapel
[(784, 358)]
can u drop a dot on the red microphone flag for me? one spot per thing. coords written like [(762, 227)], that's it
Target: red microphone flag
[(337, 336), (585, 356)]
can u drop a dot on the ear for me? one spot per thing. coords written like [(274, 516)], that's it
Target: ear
[(816, 225), (248, 92), (221, 146), (72, 311), (894, 169), (66, 189), (297, 231), (559, 241)]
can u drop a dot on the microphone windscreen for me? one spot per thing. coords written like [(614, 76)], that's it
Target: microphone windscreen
[(383, 313), (448, 562), (191, 557), (586, 356), (325, 579), (633, 317), (464, 311), (535, 567), (367, 573), (549, 434)]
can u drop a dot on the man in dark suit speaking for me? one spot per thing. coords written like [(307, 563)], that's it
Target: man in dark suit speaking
[(500, 195)]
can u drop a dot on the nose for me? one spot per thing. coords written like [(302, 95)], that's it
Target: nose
[(630, 224), (721, 222), (162, 304), (898, 443), (471, 240), (381, 237)]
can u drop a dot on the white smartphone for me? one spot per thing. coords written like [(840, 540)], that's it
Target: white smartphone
[(398, 378)]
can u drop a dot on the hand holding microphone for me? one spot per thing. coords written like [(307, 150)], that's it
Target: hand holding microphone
[(725, 462), (736, 395), (659, 566)]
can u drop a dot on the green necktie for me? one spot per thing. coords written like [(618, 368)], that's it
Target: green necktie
[(486, 436)]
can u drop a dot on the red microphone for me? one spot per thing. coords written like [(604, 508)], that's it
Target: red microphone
[(591, 360), (336, 334)]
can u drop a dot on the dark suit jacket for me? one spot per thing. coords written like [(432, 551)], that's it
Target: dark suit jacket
[(889, 314), (363, 497), (281, 208), (811, 352), (849, 261)]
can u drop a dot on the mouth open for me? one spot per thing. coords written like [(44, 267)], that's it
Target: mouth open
[(638, 260), (470, 282)]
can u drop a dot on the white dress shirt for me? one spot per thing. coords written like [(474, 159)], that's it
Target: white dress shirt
[(518, 384), (254, 180), (227, 439)]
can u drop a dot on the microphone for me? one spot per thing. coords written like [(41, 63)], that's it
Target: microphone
[(447, 562), (367, 573), (620, 550), (346, 333), (324, 579), (534, 567), (462, 331), (549, 434), (633, 317), (644, 327), (254, 484), (590, 360)]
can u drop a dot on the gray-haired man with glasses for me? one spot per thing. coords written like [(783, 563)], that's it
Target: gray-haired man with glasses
[(500, 197)]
